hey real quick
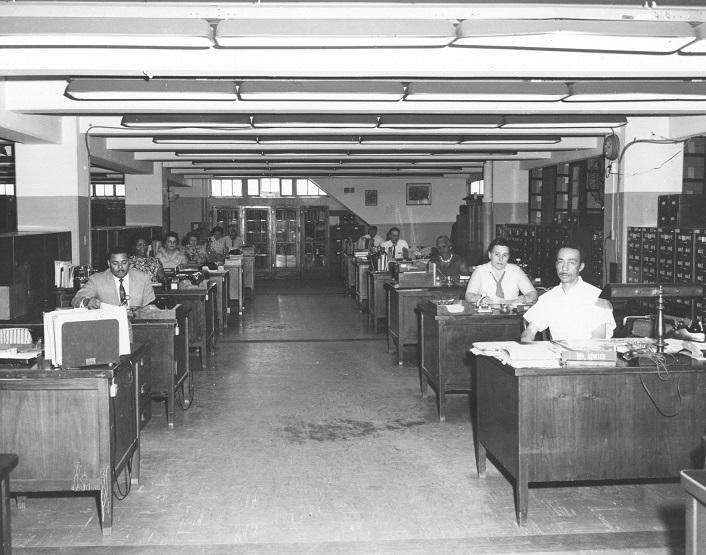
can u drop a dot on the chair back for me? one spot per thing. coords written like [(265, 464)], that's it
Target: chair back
[(15, 336)]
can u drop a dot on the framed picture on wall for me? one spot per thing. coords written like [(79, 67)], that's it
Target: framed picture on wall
[(418, 193), (371, 197)]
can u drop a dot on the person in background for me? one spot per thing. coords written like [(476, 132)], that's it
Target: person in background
[(396, 247), (371, 240), (572, 309), (118, 285), (194, 252), (216, 250), (140, 260), (170, 254), (501, 282), (234, 240), (448, 263)]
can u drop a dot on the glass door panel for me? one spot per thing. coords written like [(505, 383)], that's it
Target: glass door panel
[(315, 241), (257, 235), (286, 242)]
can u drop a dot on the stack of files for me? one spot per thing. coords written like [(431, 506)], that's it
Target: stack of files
[(63, 270), (55, 321), (591, 352), (531, 355)]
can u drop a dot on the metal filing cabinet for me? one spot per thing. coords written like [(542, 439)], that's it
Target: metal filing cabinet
[(649, 255), (634, 252), (700, 264)]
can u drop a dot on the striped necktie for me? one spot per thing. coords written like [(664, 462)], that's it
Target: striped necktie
[(123, 295), (499, 293)]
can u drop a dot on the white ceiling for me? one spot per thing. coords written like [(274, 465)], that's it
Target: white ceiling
[(33, 91)]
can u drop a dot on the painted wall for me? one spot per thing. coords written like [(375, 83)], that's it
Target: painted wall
[(419, 225)]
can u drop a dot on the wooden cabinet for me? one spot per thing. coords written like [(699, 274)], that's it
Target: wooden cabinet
[(445, 341), (8, 462), (361, 283), (376, 296), (167, 333), (74, 430)]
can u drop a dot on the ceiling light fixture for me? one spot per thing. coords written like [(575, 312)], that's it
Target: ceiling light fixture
[(314, 120), (699, 45), (572, 34), (636, 91), (302, 90), (486, 91), (563, 122), (152, 89), (511, 140), (438, 121), (204, 139), (333, 33), (235, 121), (114, 32)]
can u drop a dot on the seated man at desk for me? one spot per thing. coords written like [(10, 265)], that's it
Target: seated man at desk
[(500, 281), (371, 240), (572, 309), (396, 247), (118, 285)]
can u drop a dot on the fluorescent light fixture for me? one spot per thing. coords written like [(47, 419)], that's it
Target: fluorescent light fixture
[(699, 45), (114, 32), (486, 91), (186, 120), (308, 139), (563, 122), (296, 90), (636, 91), (510, 140), (204, 139), (315, 120), (438, 121), (152, 89), (658, 37), (403, 139), (333, 33)]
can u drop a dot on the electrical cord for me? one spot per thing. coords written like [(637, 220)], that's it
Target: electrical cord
[(661, 362), (127, 473)]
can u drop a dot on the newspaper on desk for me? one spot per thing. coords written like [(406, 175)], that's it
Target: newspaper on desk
[(53, 322), (530, 355)]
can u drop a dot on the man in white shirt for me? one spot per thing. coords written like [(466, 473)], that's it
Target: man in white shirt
[(371, 241), (118, 285), (398, 248), (572, 309), (499, 281)]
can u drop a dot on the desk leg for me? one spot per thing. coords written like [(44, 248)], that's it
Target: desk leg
[(521, 494), (171, 395), (400, 360), (481, 459), (423, 382), (135, 474), (106, 494), (5, 528), (441, 402)]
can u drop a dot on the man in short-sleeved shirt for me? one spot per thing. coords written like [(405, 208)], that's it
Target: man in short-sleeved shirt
[(398, 247), (499, 281), (572, 309)]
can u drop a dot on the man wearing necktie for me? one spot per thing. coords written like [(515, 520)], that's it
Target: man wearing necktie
[(500, 281), (118, 285)]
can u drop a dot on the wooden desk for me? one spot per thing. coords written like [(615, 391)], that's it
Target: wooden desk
[(69, 432), (694, 483), (349, 274), (167, 332), (377, 307), (249, 273), (235, 283), (444, 341), (222, 281), (402, 325), (201, 304), (7, 463), (361, 283), (584, 423)]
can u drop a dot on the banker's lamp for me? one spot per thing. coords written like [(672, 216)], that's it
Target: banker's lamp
[(657, 291)]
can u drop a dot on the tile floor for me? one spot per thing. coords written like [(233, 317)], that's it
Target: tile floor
[(306, 437)]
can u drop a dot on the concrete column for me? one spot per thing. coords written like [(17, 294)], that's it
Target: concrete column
[(510, 193), (633, 184), (488, 232), (144, 197), (53, 188)]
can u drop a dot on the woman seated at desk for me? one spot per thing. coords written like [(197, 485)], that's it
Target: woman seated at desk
[(140, 260), (501, 282), (217, 248), (194, 252), (448, 263), (170, 254)]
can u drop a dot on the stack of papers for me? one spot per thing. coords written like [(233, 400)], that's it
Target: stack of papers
[(54, 321), (63, 277), (530, 355)]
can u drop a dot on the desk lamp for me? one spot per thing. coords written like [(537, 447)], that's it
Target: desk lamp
[(653, 290)]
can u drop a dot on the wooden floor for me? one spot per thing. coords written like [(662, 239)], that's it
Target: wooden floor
[(306, 437)]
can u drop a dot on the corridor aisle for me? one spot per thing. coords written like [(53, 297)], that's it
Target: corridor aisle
[(306, 437)]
